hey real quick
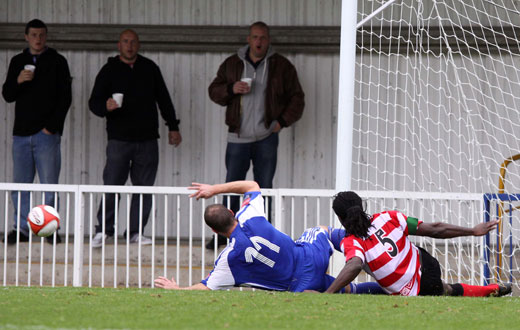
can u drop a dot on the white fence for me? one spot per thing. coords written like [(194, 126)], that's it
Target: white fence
[(179, 234)]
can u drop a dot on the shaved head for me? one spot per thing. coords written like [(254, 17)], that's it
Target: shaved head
[(219, 218), (128, 31)]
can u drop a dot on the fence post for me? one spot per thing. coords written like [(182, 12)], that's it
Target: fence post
[(277, 222), (77, 274)]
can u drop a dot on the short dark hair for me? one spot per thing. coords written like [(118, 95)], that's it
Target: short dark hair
[(35, 24), (218, 218), (259, 24), (348, 206)]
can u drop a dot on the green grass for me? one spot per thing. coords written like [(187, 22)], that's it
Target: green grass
[(96, 308)]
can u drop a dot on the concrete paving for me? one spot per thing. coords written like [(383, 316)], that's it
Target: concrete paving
[(32, 269)]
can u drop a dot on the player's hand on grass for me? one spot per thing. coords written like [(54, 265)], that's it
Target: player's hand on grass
[(202, 190), (484, 228), (164, 283), (311, 291)]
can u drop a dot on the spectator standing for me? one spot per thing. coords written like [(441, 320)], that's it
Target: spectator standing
[(132, 128), (39, 82), (262, 94)]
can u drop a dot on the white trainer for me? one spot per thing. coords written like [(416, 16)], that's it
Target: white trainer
[(97, 241), (144, 240)]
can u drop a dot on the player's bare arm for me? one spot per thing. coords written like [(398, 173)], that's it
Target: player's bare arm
[(348, 274), (445, 230), (164, 283), (237, 187)]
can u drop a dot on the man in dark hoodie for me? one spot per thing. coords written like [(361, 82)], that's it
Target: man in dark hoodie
[(262, 94), (132, 129), (39, 81)]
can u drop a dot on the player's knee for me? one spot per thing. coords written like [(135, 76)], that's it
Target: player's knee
[(447, 289), (453, 289)]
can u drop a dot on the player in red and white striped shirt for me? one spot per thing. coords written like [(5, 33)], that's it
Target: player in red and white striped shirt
[(380, 245)]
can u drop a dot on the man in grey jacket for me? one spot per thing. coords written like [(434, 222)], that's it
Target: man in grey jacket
[(262, 94)]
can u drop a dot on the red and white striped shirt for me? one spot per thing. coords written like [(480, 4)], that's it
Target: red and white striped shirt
[(388, 253)]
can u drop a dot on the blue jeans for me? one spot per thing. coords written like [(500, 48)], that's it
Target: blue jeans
[(34, 153), (139, 159), (239, 156)]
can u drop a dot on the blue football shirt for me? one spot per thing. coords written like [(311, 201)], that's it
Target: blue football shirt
[(258, 255)]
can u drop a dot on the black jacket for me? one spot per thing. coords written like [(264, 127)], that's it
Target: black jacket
[(44, 101), (143, 88)]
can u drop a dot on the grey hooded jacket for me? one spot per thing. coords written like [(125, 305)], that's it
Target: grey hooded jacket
[(275, 95)]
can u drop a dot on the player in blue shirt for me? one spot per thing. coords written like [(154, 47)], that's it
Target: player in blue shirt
[(258, 255)]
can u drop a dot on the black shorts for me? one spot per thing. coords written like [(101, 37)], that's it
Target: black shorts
[(431, 283)]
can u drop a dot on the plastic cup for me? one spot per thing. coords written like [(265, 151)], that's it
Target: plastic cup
[(248, 81), (29, 67), (118, 97)]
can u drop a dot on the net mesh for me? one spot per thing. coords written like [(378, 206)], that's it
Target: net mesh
[(437, 104)]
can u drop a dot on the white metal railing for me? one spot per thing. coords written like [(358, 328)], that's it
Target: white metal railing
[(179, 234), (33, 189)]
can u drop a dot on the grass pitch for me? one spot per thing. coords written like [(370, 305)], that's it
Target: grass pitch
[(96, 308)]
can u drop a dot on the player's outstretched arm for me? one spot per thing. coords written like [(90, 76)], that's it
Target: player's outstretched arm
[(164, 283), (445, 230), (348, 274), (237, 187)]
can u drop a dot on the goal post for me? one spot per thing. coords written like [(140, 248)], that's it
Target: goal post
[(345, 109), (437, 110), (500, 249)]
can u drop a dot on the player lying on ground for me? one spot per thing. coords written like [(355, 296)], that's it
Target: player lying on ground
[(380, 244), (260, 256)]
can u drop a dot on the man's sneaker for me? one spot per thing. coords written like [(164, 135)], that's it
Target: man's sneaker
[(144, 240), (11, 238), (50, 239), (503, 289), (97, 241)]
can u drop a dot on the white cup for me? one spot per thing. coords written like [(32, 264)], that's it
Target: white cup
[(118, 97), (248, 81), (29, 67)]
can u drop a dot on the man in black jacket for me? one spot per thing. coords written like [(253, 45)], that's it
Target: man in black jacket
[(38, 80), (132, 128)]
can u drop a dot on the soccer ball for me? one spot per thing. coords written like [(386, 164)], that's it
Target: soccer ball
[(43, 220)]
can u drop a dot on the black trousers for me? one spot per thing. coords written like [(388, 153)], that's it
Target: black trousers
[(431, 282), (139, 160)]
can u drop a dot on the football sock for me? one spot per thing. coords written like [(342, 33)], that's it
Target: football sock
[(473, 290), (366, 288), (336, 236)]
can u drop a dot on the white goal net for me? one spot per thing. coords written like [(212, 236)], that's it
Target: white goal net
[(437, 112)]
